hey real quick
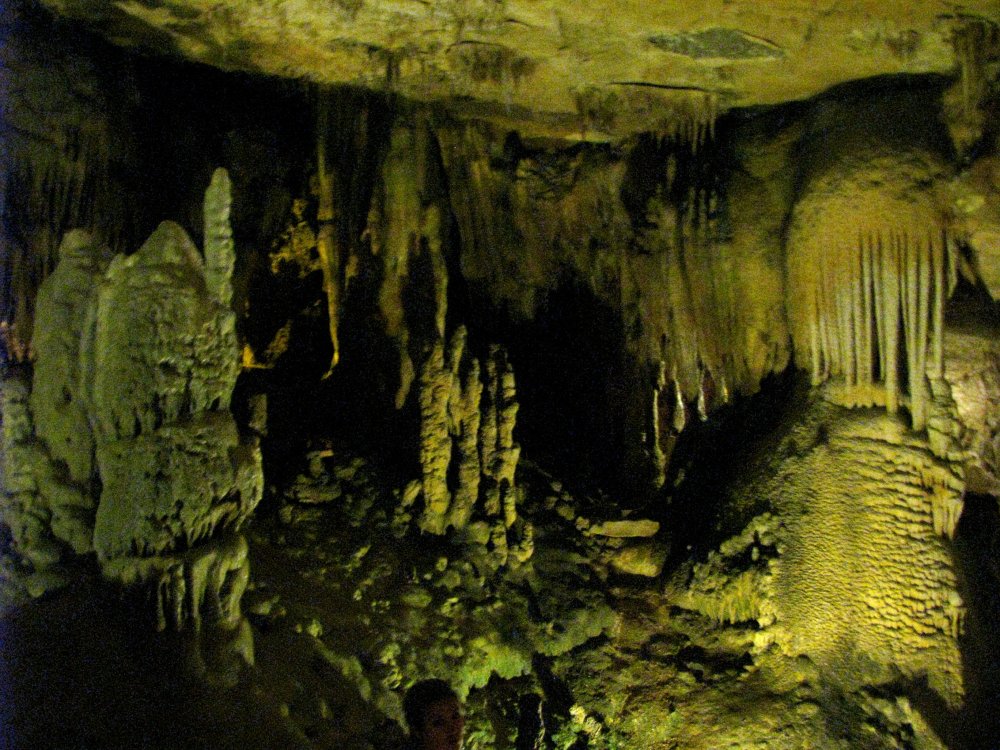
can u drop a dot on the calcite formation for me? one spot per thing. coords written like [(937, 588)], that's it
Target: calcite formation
[(558, 68), (870, 305), (129, 449), (406, 234), (827, 572), (595, 198), (468, 456)]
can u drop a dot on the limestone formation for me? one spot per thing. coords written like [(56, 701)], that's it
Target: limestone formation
[(136, 365), (405, 230), (163, 355), (497, 448), (869, 304), (468, 455), (600, 196), (875, 495), (977, 45), (41, 510), (203, 584), (58, 395), (330, 261), (162, 346), (530, 65)]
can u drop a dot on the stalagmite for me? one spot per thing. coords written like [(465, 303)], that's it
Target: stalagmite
[(464, 423), (434, 391), (499, 451), (220, 250), (468, 456)]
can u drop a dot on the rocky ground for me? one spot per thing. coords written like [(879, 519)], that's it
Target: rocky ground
[(626, 635)]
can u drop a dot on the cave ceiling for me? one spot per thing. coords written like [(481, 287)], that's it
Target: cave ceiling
[(582, 68)]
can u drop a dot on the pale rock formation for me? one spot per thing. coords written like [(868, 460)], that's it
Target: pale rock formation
[(626, 529), (828, 571), (404, 226), (164, 360), (174, 487), (976, 42), (162, 346), (878, 500), (467, 451), (571, 70), (131, 390), (870, 267), (204, 583), (972, 371), (49, 446), (58, 397), (497, 449), (976, 206), (644, 559), (26, 468)]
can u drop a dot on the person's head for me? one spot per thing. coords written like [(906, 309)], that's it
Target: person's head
[(434, 715)]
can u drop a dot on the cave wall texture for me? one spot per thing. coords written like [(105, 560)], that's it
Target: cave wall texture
[(510, 231)]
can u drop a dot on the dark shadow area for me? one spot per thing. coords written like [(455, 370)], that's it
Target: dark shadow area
[(733, 445), (977, 558), (569, 364), (79, 672)]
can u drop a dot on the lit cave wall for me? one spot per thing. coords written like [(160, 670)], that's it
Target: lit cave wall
[(681, 434)]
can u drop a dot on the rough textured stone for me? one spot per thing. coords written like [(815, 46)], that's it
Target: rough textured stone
[(58, 398), (559, 67), (629, 528), (644, 559), (163, 349)]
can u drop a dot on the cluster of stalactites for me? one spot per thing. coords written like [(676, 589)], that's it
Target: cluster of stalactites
[(405, 229), (876, 311), (694, 123), (625, 107), (204, 584)]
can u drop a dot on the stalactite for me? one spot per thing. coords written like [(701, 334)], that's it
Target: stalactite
[(326, 239), (201, 586), (976, 45), (974, 41), (405, 223)]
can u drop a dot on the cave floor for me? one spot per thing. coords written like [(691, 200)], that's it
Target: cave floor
[(348, 604)]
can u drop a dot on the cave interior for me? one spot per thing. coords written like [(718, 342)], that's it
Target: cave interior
[(634, 369)]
